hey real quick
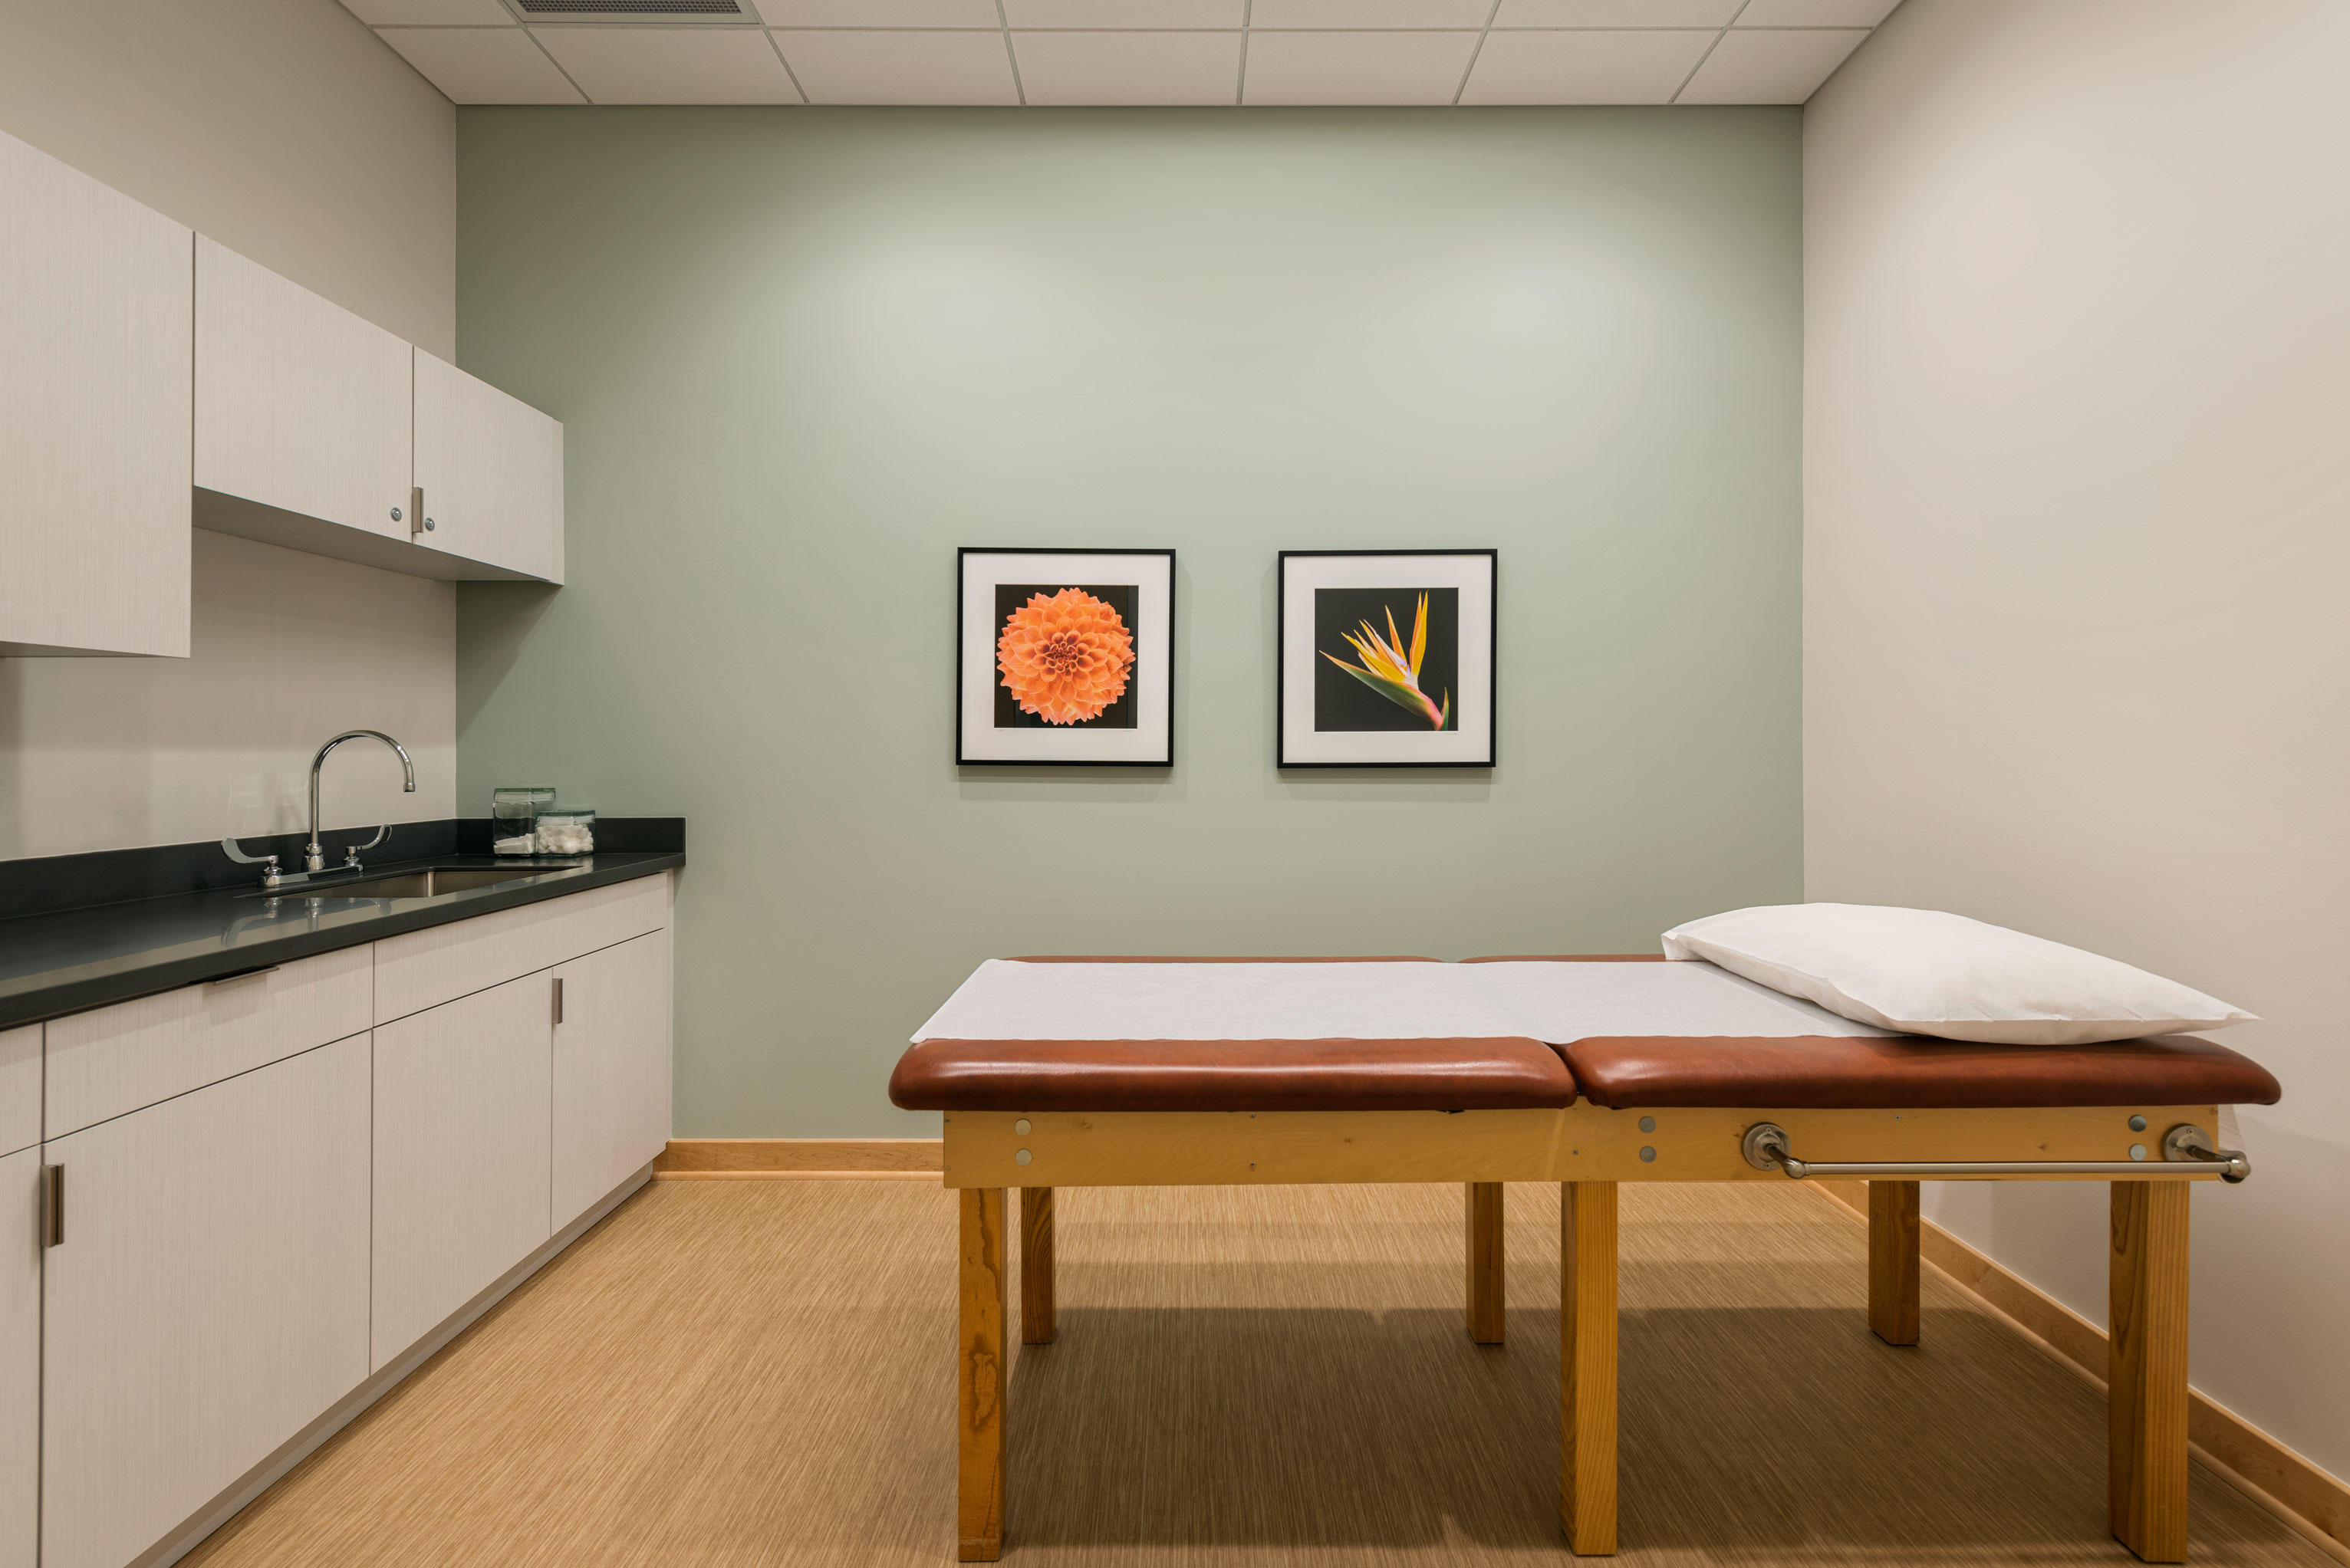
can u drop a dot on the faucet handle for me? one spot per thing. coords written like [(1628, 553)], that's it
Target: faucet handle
[(352, 855), (268, 862)]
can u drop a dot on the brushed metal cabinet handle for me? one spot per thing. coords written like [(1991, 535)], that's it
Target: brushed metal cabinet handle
[(53, 1205)]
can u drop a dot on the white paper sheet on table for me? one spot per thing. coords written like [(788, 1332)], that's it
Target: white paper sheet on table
[(1007, 1000), (1557, 1003)]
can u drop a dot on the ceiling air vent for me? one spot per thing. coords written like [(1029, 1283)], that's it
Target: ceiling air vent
[(737, 11)]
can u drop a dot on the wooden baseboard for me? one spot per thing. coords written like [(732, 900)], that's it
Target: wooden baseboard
[(2296, 1489), (800, 1158)]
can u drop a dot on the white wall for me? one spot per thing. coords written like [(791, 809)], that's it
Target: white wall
[(288, 131), (2077, 658), (288, 649), (283, 128)]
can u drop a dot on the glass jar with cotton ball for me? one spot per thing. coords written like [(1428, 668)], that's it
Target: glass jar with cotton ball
[(514, 817), (566, 830)]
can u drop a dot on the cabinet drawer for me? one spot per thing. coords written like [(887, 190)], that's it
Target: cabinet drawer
[(427, 968), (115, 1060), (20, 1088)]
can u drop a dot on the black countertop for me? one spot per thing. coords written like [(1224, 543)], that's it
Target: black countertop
[(66, 961)]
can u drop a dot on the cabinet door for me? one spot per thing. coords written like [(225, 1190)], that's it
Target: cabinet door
[(611, 1070), (208, 1300), (301, 406), (20, 1087), (94, 413), (20, 1359), (461, 1153), (491, 468)]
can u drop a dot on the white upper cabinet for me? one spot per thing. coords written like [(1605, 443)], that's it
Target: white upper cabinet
[(94, 411), (152, 378), (490, 468), (302, 408)]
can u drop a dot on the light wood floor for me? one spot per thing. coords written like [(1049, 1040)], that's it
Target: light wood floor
[(761, 1373)]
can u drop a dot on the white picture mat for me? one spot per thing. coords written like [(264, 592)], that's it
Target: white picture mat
[(1472, 743), (1150, 741)]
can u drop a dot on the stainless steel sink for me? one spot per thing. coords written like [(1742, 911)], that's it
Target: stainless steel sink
[(425, 883)]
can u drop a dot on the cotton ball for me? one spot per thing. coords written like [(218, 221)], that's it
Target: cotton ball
[(566, 838)]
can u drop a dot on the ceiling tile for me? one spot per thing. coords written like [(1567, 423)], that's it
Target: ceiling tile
[(1815, 13), (880, 14), (1369, 12), (481, 65), (671, 65), (851, 66), (431, 13), (1126, 68), (1765, 67), (1124, 14), (1616, 12), (1619, 66), (1355, 68)]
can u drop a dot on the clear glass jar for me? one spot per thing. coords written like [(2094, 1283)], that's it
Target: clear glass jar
[(514, 817), (566, 830)]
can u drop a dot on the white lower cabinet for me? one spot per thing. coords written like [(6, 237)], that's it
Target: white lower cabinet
[(20, 1357), (208, 1298), (611, 1070), (462, 1153), (255, 1222)]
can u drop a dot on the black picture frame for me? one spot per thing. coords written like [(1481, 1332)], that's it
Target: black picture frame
[(1293, 751), (1146, 725)]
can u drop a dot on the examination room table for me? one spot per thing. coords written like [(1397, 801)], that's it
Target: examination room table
[(1057, 1073)]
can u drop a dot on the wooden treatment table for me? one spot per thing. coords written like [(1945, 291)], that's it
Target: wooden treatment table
[(1557, 1070)]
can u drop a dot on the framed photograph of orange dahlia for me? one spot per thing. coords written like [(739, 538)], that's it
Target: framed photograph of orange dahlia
[(1386, 659), (1062, 656)]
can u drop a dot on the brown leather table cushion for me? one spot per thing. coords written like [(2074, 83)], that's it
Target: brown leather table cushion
[(1229, 1075), (1829, 1072)]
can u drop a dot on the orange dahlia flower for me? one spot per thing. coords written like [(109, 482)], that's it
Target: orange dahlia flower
[(1065, 658)]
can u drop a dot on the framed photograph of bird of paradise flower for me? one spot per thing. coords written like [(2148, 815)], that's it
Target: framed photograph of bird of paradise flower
[(1386, 659), (1062, 656)]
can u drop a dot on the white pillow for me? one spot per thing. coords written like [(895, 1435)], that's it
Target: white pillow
[(1921, 972)]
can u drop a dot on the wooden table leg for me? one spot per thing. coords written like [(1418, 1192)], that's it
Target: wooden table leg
[(1485, 1262), (2145, 1397), (1893, 1260), (979, 1374), (1037, 1321), (1587, 1366)]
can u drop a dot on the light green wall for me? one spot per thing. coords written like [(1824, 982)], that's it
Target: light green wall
[(801, 356)]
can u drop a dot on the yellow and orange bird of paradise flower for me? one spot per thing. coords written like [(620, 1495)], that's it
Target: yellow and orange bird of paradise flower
[(1387, 671)]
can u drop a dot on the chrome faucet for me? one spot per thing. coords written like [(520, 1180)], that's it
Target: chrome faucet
[(314, 858)]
